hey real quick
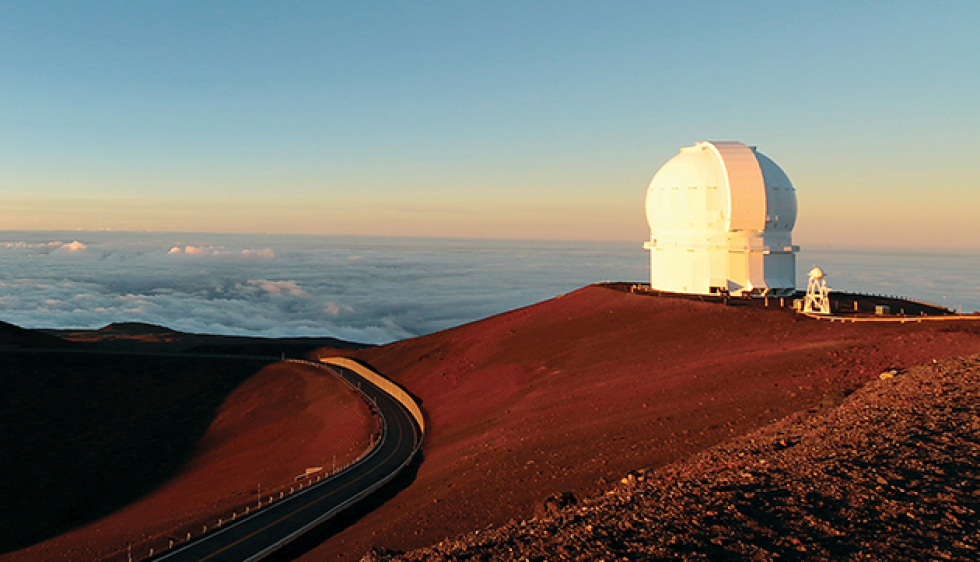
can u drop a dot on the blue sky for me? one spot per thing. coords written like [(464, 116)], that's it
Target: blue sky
[(475, 119)]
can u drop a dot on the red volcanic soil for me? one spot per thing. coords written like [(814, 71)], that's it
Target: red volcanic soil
[(281, 421), (570, 394), (893, 473)]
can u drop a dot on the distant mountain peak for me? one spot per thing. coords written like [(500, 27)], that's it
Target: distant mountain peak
[(136, 328)]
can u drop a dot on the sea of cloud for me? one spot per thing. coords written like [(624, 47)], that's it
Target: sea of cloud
[(363, 289), (371, 290)]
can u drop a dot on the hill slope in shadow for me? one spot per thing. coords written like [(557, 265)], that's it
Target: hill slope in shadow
[(174, 437)]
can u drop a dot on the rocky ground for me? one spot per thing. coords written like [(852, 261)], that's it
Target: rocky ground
[(892, 472)]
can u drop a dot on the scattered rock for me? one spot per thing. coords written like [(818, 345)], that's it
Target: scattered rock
[(552, 505), (379, 555)]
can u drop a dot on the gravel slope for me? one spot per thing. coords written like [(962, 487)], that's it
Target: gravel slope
[(893, 472)]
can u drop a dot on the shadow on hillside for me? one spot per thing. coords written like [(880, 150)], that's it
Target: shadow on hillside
[(86, 434), (321, 533)]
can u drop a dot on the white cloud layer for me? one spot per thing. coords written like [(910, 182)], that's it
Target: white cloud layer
[(290, 288), (263, 254), (75, 246), (371, 290)]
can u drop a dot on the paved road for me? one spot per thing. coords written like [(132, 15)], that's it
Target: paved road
[(265, 530)]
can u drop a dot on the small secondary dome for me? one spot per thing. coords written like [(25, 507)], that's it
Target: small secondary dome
[(721, 218)]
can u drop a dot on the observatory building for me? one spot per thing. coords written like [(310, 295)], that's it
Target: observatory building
[(721, 218)]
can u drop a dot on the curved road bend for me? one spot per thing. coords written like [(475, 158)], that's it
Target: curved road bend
[(267, 529)]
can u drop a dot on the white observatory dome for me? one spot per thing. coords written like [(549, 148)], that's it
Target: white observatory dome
[(721, 217)]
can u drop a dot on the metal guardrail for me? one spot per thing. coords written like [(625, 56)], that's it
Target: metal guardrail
[(395, 392), (898, 319)]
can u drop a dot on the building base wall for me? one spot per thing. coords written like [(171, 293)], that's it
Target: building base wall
[(700, 271)]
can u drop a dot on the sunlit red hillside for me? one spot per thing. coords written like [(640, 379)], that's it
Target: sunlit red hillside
[(572, 393)]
